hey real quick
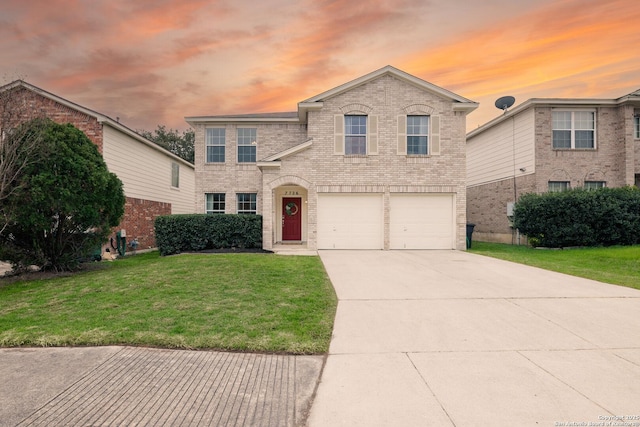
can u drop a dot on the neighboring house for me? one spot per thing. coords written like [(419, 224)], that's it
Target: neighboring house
[(376, 163), (156, 182), (549, 145)]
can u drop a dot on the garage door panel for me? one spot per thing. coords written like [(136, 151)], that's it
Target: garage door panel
[(421, 221), (350, 221)]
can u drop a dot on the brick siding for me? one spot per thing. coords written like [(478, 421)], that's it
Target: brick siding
[(139, 219)]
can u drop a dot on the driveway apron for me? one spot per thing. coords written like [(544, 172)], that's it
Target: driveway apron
[(449, 338)]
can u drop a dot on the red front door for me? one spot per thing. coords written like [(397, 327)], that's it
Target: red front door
[(291, 218)]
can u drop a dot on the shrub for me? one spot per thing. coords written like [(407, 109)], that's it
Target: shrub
[(65, 201), (579, 217), (198, 232)]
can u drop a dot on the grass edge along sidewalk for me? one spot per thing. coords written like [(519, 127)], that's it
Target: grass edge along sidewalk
[(234, 302), (618, 265)]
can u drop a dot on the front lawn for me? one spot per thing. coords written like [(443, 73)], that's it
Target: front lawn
[(619, 265), (245, 302)]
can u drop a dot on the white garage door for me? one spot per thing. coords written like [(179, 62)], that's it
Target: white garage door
[(350, 221), (422, 221)]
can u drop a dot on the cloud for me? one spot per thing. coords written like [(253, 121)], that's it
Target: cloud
[(157, 61), (551, 52), (326, 42)]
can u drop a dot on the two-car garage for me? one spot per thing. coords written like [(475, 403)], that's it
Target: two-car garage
[(357, 221)]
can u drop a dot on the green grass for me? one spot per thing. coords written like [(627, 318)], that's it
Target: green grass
[(619, 265), (243, 302)]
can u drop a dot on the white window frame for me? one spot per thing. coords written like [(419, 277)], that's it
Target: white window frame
[(573, 129), (213, 206), (215, 141), (636, 119), (558, 186), (360, 135), (241, 203), (175, 175), (247, 138), (420, 134)]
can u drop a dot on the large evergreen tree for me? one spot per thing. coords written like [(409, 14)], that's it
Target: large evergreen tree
[(66, 203)]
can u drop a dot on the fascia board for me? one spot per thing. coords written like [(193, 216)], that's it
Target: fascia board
[(220, 119), (269, 165)]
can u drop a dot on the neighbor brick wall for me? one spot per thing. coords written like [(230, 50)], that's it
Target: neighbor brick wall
[(139, 218), (487, 208), (32, 105)]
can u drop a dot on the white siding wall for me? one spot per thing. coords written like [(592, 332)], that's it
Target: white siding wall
[(490, 153), (146, 172)]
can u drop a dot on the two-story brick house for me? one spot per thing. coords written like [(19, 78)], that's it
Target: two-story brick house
[(156, 182), (376, 163), (549, 145)]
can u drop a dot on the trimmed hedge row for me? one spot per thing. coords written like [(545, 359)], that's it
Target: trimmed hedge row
[(579, 217), (198, 232)]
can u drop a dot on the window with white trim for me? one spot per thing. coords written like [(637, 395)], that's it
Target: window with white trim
[(247, 145), (637, 123), (417, 134), (215, 143), (574, 129), (355, 135), (556, 186), (215, 203), (175, 175), (594, 185), (247, 203)]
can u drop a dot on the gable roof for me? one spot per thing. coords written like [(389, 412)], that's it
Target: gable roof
[(101, 118), (315, 102), (459, 103)]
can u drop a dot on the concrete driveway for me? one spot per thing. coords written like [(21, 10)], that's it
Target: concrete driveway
[(448, 338)]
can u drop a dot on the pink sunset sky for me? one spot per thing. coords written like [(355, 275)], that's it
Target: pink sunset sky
[(153, 62)]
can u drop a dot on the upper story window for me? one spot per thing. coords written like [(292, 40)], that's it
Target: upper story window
[(355, 135), (417, 134), (175, 175), (555, 186), (247, 203), (247, 145), (637, 123), (574, 129), (214, 203), (215, 143)]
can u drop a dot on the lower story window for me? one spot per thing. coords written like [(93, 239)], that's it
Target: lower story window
[(215, 203), (247, 203), (594, 185), (559, 185)]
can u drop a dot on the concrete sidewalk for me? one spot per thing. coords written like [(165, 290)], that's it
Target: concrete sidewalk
[(123, 386), (448, 338)]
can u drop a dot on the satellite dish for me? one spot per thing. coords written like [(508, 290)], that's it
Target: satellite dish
[(504, 102)]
